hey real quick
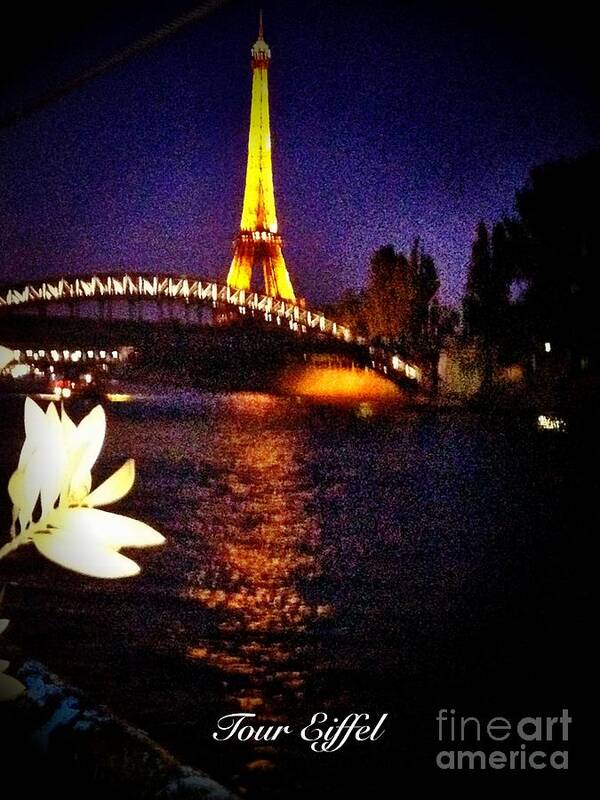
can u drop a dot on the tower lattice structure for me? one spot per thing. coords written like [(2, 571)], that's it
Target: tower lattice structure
[(258, 242)]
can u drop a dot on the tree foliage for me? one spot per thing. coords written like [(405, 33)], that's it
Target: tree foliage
[(398, 297), (399, 304), (559, 252), (488, 284), (552, 249)]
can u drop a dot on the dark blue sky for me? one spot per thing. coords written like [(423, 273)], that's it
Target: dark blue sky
[(390, 121)]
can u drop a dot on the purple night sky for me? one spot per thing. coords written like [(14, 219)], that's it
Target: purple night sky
[(390, 121)]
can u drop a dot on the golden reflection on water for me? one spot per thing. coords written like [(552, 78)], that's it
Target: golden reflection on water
[(339, 383), (271, 541)]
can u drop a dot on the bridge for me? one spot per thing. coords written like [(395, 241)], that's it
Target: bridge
[(225, 303), (186, 290)]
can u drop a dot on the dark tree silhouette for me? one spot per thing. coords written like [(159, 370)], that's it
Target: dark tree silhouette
[(486, 302), (398, 298), (478, 282), (398, 304), (350, 310), (559, 256), (388, 295), (425, 284), (444, 322)]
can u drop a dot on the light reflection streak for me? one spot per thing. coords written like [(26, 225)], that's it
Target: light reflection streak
[(252, 582), (340, 383)]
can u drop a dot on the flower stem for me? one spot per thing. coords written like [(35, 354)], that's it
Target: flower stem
[(22, 538)]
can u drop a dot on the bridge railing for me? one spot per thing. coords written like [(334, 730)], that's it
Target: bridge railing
[(200, 291), (186, 289)]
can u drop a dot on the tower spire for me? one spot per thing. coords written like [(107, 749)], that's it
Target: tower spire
[(258, 241), (260, 25)]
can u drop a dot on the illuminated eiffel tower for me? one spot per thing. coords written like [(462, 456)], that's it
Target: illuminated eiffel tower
[(258, 242)]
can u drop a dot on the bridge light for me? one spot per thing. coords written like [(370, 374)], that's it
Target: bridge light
[(20, 370), (115, 354), (28, 353), (66, 355), (41, 353), (55, 355), (102, 353), (547, 347)]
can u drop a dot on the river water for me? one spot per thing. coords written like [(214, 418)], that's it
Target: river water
[(319, 558)]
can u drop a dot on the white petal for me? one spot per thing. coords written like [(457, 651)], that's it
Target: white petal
[(69, 431), (35, 430), (44, 474), (22, 506), (68, 427), (52, 414), (56, 454), (15, 487), (91, 431), (3, 625), (83, 554), (42, 462), (34, 474), (115, 487), (114, 530), (6, 356), (10, 688), (35, 419), (79, 488), (87, 443)]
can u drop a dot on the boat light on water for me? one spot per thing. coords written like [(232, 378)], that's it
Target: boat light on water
[(547, 422), (117, 397)]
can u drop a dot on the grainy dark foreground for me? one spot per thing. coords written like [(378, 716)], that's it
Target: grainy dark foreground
[(55, 728)]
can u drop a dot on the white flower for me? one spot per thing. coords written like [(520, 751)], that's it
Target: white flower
[(54, 505)]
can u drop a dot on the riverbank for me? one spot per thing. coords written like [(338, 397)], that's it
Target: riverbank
[(56, 737)]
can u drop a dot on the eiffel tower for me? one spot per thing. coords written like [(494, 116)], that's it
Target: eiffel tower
[(258, 242)]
